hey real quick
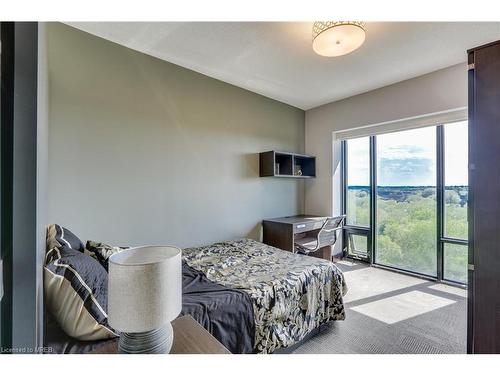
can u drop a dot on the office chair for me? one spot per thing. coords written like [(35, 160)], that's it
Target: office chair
[(327, 236)]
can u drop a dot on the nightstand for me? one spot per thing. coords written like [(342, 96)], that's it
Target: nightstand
[(189, 338)]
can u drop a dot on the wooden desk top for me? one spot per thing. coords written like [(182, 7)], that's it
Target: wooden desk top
[(297, 219), (189, 338)]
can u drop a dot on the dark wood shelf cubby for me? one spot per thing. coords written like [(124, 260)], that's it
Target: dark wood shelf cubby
[(287, 164)]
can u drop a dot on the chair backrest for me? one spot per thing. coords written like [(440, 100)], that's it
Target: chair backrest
[(327, 235)]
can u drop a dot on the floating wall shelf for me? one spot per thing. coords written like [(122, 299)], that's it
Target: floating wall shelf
[(287, 164)]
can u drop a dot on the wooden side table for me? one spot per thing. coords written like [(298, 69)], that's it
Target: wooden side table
[(189, 338)]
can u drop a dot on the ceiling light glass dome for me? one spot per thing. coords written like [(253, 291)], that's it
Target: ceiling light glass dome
[(337, 38)]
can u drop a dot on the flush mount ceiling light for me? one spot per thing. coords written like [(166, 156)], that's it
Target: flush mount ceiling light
[(337, 38)]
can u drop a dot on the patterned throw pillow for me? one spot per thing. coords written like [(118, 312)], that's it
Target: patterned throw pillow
[(76, 287), (102, 252)]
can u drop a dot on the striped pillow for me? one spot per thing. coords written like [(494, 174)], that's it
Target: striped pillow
[(76, 287), (58, 236)]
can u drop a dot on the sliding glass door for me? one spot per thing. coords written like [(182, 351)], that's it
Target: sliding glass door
[(405, 197), (406, 201)]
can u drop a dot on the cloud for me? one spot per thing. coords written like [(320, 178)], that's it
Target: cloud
[(406, 171), (406, 151)]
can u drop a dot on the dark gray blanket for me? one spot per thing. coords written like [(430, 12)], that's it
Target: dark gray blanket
[(226, 313)]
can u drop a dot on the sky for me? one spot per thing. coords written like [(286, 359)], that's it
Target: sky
[(408, 158)]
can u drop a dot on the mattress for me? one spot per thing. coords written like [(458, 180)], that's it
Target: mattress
[(291, 294)]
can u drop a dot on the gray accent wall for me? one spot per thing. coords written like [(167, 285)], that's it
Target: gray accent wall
[(142, 151)]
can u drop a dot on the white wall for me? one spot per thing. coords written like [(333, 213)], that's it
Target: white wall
[(439, 91)]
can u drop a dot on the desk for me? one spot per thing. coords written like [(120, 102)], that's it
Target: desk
[(281, 232)]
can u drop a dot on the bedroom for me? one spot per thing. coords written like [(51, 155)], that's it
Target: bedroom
[(179, 135)]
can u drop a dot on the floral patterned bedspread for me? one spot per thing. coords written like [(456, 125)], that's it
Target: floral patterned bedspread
[(292, 294)]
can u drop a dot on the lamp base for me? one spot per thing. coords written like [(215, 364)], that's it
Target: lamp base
[(157, 341)]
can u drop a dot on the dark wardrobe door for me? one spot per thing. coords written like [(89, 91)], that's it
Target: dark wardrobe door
[(484, 205)]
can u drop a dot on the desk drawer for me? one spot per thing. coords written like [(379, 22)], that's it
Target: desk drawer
[(307, 226)]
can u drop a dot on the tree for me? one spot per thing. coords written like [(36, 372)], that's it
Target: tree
[(428, 192), (406, 227), (451, 197)]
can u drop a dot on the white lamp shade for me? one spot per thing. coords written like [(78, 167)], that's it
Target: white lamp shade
[(337, 38), (144, 288)]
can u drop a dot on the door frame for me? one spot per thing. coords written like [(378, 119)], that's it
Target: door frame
[(19, 229), (6, 176)]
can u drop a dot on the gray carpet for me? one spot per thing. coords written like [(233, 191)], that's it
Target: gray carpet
[(387, 312)]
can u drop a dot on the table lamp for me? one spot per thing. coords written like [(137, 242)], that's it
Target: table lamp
[(144, 296)]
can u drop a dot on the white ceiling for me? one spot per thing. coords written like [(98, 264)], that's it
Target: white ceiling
[(276, 59)]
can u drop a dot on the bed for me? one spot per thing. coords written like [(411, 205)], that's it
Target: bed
[(226, 313), (291, 294), (252, 297)]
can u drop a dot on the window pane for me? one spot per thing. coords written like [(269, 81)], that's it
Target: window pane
[(455, 262), (455, 179), (357, 244), (406, 200), (358, 181)]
